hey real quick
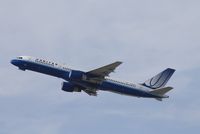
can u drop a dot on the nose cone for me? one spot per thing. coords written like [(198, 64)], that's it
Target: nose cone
[(14, 62)]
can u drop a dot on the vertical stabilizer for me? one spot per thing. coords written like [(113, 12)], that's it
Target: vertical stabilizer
[(160, 80)]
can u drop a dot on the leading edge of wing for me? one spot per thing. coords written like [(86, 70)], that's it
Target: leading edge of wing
[(105, 70)]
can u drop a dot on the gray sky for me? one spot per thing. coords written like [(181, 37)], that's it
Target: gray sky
[(148, 36)]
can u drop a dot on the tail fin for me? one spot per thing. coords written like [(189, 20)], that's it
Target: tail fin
[(160, 80)]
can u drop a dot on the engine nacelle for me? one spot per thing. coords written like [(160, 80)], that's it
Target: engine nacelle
[(68, 87), (77, 75)]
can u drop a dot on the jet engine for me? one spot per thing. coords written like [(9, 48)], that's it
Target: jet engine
[(69, 87)]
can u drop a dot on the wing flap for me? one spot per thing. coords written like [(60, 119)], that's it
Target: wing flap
[(90, 92)]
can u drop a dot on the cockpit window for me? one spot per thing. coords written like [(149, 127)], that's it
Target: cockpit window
[(19, 58)]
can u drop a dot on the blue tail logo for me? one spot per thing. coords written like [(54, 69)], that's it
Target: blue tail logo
[(160, 80)]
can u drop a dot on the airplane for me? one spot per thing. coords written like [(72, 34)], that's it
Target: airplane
[(93, 81)]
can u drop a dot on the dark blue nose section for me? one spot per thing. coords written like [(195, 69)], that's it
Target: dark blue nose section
[(19, 63), (15, 62)]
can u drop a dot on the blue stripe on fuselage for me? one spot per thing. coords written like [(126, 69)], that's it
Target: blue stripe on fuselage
[(42, 68)]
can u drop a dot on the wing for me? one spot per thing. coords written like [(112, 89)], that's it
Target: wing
[(97, 76), (90, 92), (104, 71)]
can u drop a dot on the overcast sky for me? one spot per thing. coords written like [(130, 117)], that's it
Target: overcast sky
[(147, 35)]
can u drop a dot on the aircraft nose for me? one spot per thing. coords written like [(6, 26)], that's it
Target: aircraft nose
[(14, 62)]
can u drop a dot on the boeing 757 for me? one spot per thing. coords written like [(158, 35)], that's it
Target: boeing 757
[(97, 79)]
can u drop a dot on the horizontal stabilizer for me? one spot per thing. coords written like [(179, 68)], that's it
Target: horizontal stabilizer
[(161, 91)]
